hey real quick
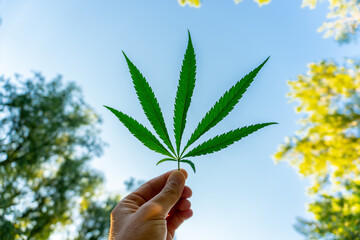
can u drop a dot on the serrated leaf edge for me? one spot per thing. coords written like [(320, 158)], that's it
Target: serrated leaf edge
[(212, 149), (248, 79), (158, 125)]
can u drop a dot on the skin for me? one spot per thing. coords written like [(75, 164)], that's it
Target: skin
[(153, 211)]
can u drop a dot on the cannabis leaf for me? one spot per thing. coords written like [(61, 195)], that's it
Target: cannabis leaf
[(183, 97)]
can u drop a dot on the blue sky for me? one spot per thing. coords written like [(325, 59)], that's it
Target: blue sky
[(239, 193)]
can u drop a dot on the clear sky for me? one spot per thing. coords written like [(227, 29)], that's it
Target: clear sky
[(238, 193)]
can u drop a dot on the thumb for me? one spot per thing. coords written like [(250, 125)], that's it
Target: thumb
[(171, 192)]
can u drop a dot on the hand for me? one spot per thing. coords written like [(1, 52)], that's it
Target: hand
[(154, 211)]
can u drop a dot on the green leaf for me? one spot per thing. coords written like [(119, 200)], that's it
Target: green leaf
[(224, 105), (224, 140), (149, 103), (140, 132), (184, 92), (192, 165), (165, 160)]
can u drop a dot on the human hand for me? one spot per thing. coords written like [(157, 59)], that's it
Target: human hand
[(154, 211)]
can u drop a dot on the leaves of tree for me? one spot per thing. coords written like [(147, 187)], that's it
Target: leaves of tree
[(325, 149), (48, 135)]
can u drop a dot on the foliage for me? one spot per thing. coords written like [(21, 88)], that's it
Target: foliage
[(191, 3), (327, 147), (47, 136), (344, 18), (337, 216), (184, 94), (94, 215)]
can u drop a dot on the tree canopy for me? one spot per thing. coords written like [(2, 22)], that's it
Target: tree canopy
[(47, 136), (327, 147), (343, 18), (336, 215)]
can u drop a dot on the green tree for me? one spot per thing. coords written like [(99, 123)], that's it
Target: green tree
[(337, 216), (47, 136), (95, 219), (326, 148)]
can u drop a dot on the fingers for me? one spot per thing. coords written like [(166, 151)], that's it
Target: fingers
[(176, 219), (151, 188), (170, 194), (180, 212), (187, 192), (182, 205)]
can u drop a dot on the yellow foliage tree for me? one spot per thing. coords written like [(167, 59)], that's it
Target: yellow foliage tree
[(336, 216), (344, 18), (327, 147)]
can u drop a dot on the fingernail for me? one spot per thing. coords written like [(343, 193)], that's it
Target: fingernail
[(177, 177)]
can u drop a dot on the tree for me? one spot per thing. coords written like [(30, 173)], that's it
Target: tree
[(343, 17), (47, 136), (337, 216), (327, 147), (95, 216)]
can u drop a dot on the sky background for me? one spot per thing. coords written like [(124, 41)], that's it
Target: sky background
[(238, 193)]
